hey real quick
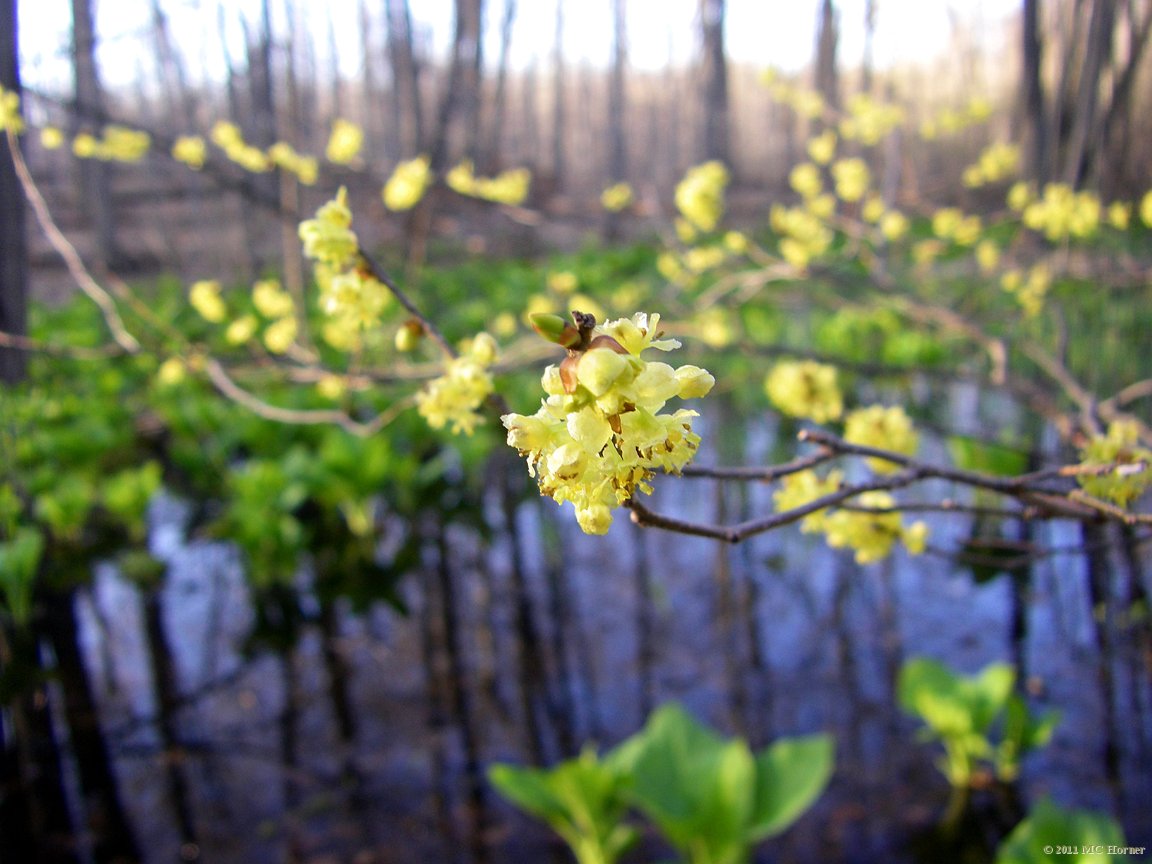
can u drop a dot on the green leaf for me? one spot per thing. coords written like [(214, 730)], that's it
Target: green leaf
[(972, 454), (19, 563), (790, 775), (581, 799), (1049, 830)]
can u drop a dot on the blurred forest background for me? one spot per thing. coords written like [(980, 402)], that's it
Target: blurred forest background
[(552, 87)]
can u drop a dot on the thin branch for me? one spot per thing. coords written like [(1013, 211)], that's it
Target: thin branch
[(68, 252)]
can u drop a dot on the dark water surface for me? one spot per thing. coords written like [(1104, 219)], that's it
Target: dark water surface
[(364, 742)]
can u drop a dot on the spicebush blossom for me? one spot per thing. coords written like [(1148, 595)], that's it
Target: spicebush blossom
[(600, 433)]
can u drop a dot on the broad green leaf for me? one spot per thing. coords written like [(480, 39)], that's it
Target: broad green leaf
[(790, 775), (972, 454), (1049, 829)]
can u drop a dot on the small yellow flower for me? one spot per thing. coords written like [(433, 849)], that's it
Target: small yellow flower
[(407, 184), (205, 299)]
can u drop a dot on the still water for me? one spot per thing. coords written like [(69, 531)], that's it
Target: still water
[(364, 740)]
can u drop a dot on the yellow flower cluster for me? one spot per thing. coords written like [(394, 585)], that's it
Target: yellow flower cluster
[(228, 137), (803, 234), (329, 238), (852, 178), (599, 435), (275, 304), (807, 180), (1146, 209), (1121, 447), (344, 142), (822, 148), (508, 187), (117, 144), (616, 197), (884, 428), (805, 389), (455, 396), (1029, 290), (1061, 212), (191, 150), (51, 138), (998, 162), (951, 120), (950, 223), (870, 534), (285, 156), (407, 185), (206, 300), (868, 121), (10, 118), (353, 300), (806, 103), (700, 195)]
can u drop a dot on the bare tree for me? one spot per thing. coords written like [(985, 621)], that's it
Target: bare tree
[(1088, 106), (618, 153), (405, 75), (14, 260), (491, 154), (95, 179), (461, 93), (559, 159), (716, 136), (827, 39), (172, 71)]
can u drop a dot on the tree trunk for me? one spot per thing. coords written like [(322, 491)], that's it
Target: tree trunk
[(14, 261), (716, 134), (1035, 110), (491, 155), (827, 38), (95, 179), (559, 160), (1097, 51), (405, 75), (618, 153)]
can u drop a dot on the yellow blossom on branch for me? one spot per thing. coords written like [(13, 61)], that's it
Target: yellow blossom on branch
[(601, 433)]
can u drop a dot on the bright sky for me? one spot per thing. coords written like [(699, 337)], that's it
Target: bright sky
[(764, 32)]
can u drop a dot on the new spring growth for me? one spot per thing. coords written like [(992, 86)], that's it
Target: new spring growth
[(599, 435)]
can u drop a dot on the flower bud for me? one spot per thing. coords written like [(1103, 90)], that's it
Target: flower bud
[(555, 329), (409, 335)]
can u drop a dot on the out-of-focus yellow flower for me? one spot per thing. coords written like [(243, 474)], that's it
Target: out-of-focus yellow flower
[(192, 150), (84, 146), (10, 118), (806, 180), (1121, 447), (700, 195), (344, 142), (241, 330), (455, 397), (997, 162), (206, 300), (822, 148), (893, 225), (616, 197), (802, 488), (852, 178), (280, 335), (873, 209), (271, 300), (869, 121), (987, 256), (1029, 291), (1119, 215), (1146, 209), (883, 428), (1061, 212), (805, 389), (1020, 195), (171, 372), (407, 185), (51, 138), (329, 238), (563, 282), (332, 387)]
